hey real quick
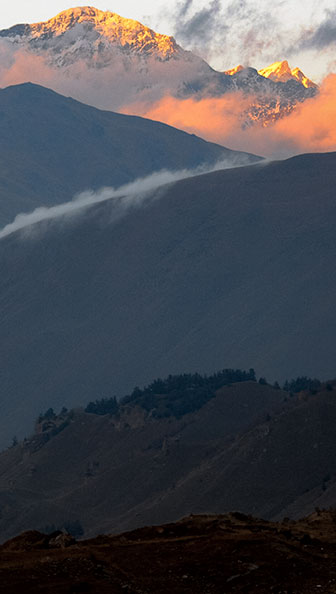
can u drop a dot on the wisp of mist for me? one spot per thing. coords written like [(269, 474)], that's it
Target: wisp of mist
[(133, 194)]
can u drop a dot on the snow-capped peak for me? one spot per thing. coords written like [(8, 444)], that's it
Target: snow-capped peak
[(91, 22), (282, 72), (116, 63), (278, 70)]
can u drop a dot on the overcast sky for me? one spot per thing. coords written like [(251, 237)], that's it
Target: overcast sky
[(225, 32)]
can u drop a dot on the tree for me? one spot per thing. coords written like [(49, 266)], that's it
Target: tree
[(105, 406)]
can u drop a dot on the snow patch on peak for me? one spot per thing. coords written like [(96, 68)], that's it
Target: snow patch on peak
[(233, 71), (277, 71), (282, 72), (298, 74), (107, 26)]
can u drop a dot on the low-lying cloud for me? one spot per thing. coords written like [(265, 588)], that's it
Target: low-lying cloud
[(106, 84), (311, 127), (131, 195)]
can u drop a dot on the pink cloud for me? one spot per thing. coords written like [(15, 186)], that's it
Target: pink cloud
[(311, 127)]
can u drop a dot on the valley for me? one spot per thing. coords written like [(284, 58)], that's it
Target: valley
[(167, 298)]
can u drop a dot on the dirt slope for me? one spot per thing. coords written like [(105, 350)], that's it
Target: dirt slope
[(198, 555)]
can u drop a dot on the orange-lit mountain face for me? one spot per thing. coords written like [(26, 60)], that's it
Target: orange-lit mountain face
[(281, 72), (111, 27), (233, 71), (88, 31), (112, 63), (97, 26)]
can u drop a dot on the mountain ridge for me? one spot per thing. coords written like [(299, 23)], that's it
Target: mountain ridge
[(278, 72), (111, 62), (53, 147), (135, 36), (128, 33), (282, 72), (195, 276)]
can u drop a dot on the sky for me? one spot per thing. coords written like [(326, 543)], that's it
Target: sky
[(224, 32)]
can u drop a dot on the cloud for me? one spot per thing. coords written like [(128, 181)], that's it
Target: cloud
[(239, 28), (198, 28), (253, 33), (311, 127), (106, 86), (124, 198), (215, 118), (18, 67), (323, 36), (183, 8)]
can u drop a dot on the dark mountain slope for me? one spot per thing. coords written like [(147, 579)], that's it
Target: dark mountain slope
[(118, 472), (251, 448), (234, 268), (52, 147), (283, 466)]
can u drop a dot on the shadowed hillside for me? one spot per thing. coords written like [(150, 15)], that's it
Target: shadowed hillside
[(52, 147), (250, 447), (231, 268)]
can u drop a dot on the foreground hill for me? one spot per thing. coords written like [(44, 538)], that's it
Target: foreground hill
[(52, 147), (250, 447), (233, 268), (197, 555)]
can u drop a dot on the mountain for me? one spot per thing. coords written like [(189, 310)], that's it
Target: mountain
[(52, 147), (250, 447), (118, 472), (110, 62), (233, 268), (196, 555), (267, 105), (85, 31), (281, 72)]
